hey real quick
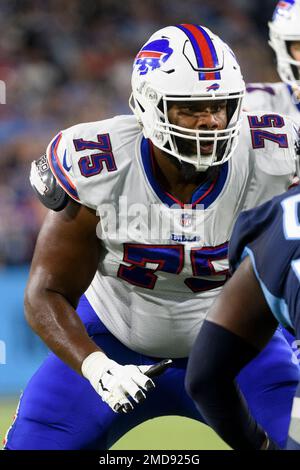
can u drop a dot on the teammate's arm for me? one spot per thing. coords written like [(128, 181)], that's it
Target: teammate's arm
[(238, 326)]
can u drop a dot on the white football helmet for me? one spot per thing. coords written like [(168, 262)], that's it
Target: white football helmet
[(285, 27), (187, 63)]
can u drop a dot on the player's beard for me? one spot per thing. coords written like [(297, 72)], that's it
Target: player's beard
[(188, 148), (189, 172)]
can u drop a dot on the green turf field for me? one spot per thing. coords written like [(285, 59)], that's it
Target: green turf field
[(162, 433)]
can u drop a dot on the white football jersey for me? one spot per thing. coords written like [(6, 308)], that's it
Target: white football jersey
[(164, 263), (275, 97)]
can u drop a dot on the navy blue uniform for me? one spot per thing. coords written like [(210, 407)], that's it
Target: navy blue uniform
[(270, 236)]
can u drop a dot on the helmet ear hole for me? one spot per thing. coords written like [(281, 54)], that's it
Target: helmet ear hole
[(231, 108), (288, 47), (141, 107), (161, 106)]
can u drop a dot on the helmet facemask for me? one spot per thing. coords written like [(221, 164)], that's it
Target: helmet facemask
[(179, 141)]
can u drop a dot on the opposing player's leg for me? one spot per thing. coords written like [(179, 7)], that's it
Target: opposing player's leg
[(269, 383)]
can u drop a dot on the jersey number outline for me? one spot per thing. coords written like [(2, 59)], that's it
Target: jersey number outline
[(170, 258), (92, 165), (258, 135)]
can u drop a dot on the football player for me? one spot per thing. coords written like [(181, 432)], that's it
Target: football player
[(283, 97), (263, 292), (135, 251)]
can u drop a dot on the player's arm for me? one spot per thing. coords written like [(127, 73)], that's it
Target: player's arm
[(238, 326), (64, 263)]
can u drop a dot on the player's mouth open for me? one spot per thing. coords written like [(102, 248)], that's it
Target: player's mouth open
[(206, 148)]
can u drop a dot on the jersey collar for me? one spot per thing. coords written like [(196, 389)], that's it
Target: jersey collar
[(204, 194)]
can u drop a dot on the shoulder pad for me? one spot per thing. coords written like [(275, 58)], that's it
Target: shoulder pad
[(44, 184)]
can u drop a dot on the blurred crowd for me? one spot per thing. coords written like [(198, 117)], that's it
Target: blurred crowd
[(70, 61)]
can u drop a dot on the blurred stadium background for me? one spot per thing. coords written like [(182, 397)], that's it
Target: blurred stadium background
[(69, 61)]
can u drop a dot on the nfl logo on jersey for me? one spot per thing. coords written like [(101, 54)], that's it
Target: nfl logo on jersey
[(186, 219)]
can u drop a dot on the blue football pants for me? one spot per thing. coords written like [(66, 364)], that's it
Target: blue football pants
[(60, 410)]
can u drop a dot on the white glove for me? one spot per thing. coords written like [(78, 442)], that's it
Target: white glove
[(115, 383)]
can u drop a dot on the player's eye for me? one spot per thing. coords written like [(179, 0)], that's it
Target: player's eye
[(187, 111), (219, 106)]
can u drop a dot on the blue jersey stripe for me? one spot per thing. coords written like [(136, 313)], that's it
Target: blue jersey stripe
[(205, 194)]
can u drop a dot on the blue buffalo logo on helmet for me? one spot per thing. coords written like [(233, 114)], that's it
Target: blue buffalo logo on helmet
[(153, 55), (214, 86)]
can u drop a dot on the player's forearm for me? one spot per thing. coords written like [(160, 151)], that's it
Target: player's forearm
[(54, 319), (223, 409), (217, 358)]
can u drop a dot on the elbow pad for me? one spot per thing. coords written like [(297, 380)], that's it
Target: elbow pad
[(45, 186)]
